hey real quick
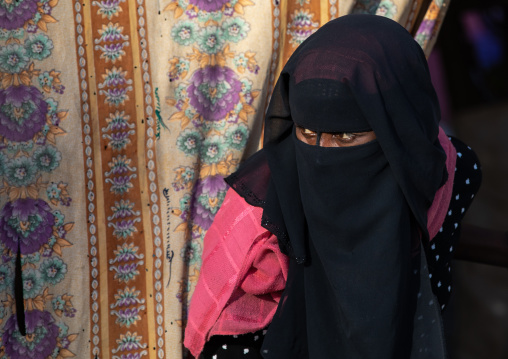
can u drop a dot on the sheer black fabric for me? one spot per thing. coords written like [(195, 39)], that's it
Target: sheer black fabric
[(351, 219), (439, 256)]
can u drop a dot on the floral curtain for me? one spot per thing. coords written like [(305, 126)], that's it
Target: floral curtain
[(118, 121)]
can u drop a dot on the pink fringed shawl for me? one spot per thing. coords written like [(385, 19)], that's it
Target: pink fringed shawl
[(243, 271)]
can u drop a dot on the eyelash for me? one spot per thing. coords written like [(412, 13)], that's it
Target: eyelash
[(339, 136)]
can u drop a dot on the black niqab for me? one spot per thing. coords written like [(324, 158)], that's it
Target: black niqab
[(351, 218)]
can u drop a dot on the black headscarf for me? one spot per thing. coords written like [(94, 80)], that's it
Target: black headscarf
[(351, 218)]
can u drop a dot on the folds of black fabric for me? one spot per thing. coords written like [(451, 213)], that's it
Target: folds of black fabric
[(357, 287), (351, 220)]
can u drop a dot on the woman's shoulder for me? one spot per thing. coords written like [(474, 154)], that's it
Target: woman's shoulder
[(236, 211), (236, 221)]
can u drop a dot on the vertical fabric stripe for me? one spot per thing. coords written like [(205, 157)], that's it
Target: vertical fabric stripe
[(99, 281), (324, 8), (147, 173)]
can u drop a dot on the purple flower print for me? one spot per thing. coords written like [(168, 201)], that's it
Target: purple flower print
[(208, 197), (426, 27), (208, 5), (424, 32), (212, 185), (202, 216), (27, 220), (40, 340), (22, 112), (14, 14), (214, 91)]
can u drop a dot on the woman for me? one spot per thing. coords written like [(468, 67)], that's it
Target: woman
[(355, 181)]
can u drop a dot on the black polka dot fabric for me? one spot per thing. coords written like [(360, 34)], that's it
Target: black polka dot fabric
[(439, 255), (246, 346)]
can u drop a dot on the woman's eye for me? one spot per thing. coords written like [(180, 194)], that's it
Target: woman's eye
[(307, 132), (345, 136)]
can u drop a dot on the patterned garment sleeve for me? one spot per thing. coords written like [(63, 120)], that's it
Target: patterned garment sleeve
[(243, 274), (467, 181)]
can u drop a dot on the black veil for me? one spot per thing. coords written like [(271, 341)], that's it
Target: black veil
[(351, 219)]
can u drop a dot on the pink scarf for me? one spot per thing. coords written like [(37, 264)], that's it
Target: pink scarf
[(243, 271)]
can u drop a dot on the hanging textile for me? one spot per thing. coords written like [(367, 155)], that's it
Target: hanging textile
[(118, 121)]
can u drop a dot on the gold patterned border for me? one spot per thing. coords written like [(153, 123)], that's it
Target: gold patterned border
[(148, 173), (96, 218)]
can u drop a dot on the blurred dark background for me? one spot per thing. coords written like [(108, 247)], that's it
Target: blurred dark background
[(469, 66)]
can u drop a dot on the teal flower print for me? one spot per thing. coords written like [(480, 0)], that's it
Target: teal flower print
[(235, 29), (32, 283), (45, 80), (53, 270), (27, 146), (59, 218), (38, 46), (204, 16), (386, 8), (58, 303), (4, 34), (246, 86), (13, 58), (185, 32), (238, 107), (212, 150), (184, 178), (32, 258), (37, 16), (185, 201), (240, 60), (214, 126), (51, 241), (6, 277), (191, 253), (17, 33), (181, 92), (183, 66), (20, 172), (190, 113), (210, 40), (189, 142), (47, 158), (63, 329), (53, 192), (52, 105), (237, 135)]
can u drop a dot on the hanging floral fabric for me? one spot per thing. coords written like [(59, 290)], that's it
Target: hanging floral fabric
[(119, 120)]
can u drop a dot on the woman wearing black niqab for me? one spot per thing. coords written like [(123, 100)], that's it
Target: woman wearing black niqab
[(352, 219)]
